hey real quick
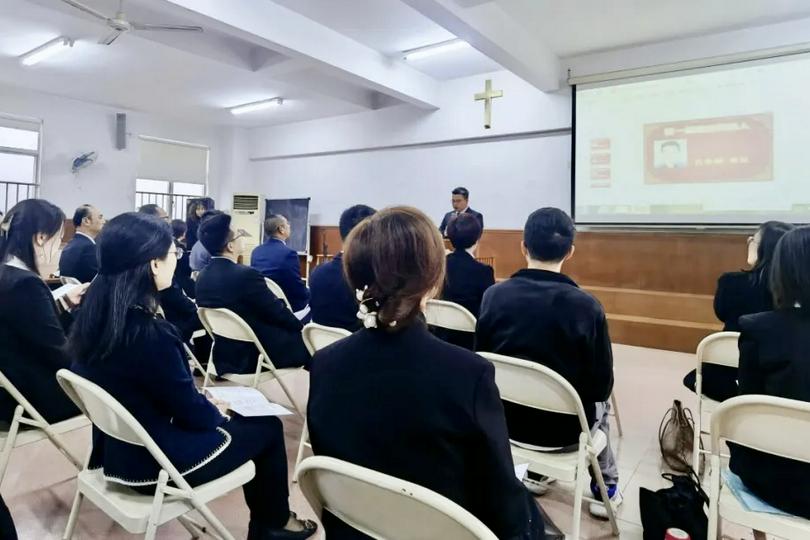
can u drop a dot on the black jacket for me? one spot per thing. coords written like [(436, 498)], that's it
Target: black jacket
[(546, 318), (449, 215), (32, 345), (465, 283), (738, 294), (467, 279), (151, 379), (180, 310), (182, 273), (79, 259), (409, 405), (225, 284), (333, 302), (774, 349)]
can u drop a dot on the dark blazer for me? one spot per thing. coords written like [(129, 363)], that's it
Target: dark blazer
[(465, 283), (773, 361), (32, 341), (151, 379), (423, 411), (180, 310), (449, 215), (182, 273), (333, 302), (738, 294), (546, 318), (79, 259), (275, 260), (225, 284)]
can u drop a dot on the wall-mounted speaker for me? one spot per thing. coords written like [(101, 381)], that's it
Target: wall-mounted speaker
[(120, 131)]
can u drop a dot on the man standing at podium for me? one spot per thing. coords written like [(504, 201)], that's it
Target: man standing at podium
[(461, 205)]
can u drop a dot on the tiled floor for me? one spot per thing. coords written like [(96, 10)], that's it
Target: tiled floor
[(39, 485)]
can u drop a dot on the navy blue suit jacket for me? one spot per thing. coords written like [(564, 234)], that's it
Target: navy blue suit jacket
[(449, 215), (275, 260), (150, 377), (79, 259), (333, 302)]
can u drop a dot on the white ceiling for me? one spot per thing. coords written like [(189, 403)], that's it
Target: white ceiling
[(333, 57)]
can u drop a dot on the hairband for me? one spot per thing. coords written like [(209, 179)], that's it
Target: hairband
[(369, 318)]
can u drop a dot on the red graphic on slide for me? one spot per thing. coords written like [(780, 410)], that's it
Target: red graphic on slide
[(724, 149), (600, 163)]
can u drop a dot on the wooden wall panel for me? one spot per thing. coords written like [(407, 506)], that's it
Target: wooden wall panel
[(657, 287)]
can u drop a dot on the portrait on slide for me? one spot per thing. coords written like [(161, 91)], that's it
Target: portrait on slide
[(706, 150)]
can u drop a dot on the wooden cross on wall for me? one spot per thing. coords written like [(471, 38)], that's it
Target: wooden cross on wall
[(487, 96)]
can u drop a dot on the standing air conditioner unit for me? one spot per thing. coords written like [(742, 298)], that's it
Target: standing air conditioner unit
[(246, 214)]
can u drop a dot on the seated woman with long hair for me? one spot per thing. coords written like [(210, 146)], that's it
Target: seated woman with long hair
[(774, 348), (741, 293), (32, 324), (120, 344), (394, 398)]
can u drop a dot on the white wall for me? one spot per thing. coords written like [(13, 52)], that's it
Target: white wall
[(401, 155), (73, 127)]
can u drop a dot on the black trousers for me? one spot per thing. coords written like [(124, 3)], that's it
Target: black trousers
[(7, 530), (260, 439), (719, 382)]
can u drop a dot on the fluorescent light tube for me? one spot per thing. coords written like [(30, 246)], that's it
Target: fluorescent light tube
[(436, 48), (257, 106), (51, 48)]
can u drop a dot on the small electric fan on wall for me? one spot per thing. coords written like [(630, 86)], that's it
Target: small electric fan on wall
[(83, 161)]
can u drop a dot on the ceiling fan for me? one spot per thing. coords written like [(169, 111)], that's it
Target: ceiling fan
[(120, 24)]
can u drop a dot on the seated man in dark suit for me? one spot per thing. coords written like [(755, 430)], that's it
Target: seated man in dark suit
[(541, 315), (275, 260), (466, 278), (461, 205), (333, 302), (79, 259), (226, 284)]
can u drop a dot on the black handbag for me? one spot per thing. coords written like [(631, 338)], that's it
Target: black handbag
[(680, 506)]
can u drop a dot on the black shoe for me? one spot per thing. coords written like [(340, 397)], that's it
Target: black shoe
[(262, 533)]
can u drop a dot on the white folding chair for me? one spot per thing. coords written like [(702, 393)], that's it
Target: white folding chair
[(135, 512), (277, 291), (449, 315), (26, 415), (227, 324), (773, 425), (192, 358), (384, 507), (719, 348), (532, 385), (316, 337), (614, 406)]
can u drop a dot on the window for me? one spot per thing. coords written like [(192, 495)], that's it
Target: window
[(19, 161), (169, 174), (171, 196)]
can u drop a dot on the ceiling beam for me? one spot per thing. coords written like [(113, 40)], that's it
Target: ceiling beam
[(267, 24), (485, 26)]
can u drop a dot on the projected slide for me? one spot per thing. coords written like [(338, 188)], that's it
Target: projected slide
[(722, 146)]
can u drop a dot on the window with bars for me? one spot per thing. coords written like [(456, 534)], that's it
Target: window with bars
[(169, 174), (171, 196), (19, 161)]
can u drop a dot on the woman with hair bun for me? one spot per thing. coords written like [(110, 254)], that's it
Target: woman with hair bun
[(394, 398)]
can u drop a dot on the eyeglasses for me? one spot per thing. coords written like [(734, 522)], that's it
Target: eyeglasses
[(177, 253), (240, 233)]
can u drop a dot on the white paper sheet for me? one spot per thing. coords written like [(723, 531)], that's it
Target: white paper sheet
[(63, 290), (247, 401), (520, 470)]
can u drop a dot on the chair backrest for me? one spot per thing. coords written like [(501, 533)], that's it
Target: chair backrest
[(719, 348), (384, 507), (774, 425), (449, 315), (276, 290), (533, 385), (225, 323), (317, 336), (108, 415)]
